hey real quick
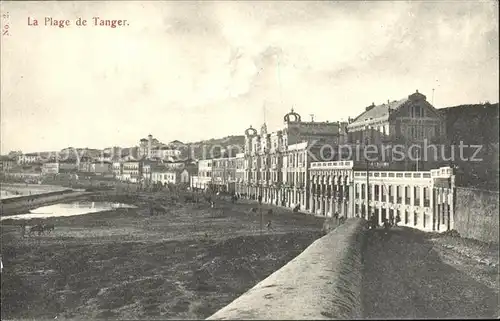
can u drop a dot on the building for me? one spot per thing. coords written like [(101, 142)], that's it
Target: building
[(423, 200), (101, 168), (224, 174), (131, 171), (147, 167), (152, 148), (29, 158), (412, 119), (186, 174), (291, 167), (204, 177), (117, 168), (7, 163), (164, 153), (51, 168), (164, 176), (276, 163)]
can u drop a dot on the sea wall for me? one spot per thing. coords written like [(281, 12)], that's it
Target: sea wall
[(476, 214), (323, 282)]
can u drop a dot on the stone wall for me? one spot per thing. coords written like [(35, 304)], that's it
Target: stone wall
[(476, 214), (323, 282), (14, 205)]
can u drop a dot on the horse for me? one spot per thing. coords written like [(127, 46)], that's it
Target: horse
[(37, 228), (48, 227)]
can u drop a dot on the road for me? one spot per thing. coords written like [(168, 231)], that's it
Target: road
[(405, 277)]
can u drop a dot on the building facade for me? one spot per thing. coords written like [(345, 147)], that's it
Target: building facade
[(7, 163), (291, 168), (51, 168), (165, 176), (28, 158), (412, 119), (132, 171), (152, 148), (276, 163)]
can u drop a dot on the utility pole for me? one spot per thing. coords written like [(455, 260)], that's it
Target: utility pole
[(432, 96), (367, 180), (261, 218), (418, 157)]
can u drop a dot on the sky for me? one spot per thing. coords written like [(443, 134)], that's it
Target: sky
[(199, 70)]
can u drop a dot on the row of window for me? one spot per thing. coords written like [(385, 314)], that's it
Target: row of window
[(386, 193), (405, 215)]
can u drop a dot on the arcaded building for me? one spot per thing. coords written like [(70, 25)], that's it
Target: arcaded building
[(276, 163)]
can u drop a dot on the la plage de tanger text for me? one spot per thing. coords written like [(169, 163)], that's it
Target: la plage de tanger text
[(80, 22)]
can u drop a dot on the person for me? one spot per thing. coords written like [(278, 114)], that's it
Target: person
[(151, 210), (374, 221), (387, 224), (336, 216), (260, 199), (398, 219), (269, 227)]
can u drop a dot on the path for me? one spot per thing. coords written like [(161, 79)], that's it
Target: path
[(405, 277)]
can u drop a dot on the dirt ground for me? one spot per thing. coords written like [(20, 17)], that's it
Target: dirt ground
[(417, 275), (185, 263)]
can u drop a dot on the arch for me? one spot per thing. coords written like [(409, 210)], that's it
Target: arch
[(292, 113)]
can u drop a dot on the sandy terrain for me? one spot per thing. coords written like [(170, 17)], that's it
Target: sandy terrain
[(183, 264)]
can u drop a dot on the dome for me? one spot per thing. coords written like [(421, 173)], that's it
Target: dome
[(250, 131), (292, 113)]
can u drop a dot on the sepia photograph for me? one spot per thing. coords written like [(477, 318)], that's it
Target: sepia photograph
[(249, 160)]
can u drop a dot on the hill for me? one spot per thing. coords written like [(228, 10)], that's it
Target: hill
[(471, 124), (475, 124), (215, 147)]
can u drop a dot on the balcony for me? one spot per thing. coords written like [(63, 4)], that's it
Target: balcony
[(407, 201), (427, 203)]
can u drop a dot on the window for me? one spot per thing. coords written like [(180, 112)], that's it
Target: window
[(362, 191), (417, 110), (416, 195), (407, 195), (357, 192), (426, 197), (415, 218), (377, 192)]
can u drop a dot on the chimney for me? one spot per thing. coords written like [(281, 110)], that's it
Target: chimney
[(370, 107)]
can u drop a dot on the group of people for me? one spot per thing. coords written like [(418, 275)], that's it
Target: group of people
[(386, 222)]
